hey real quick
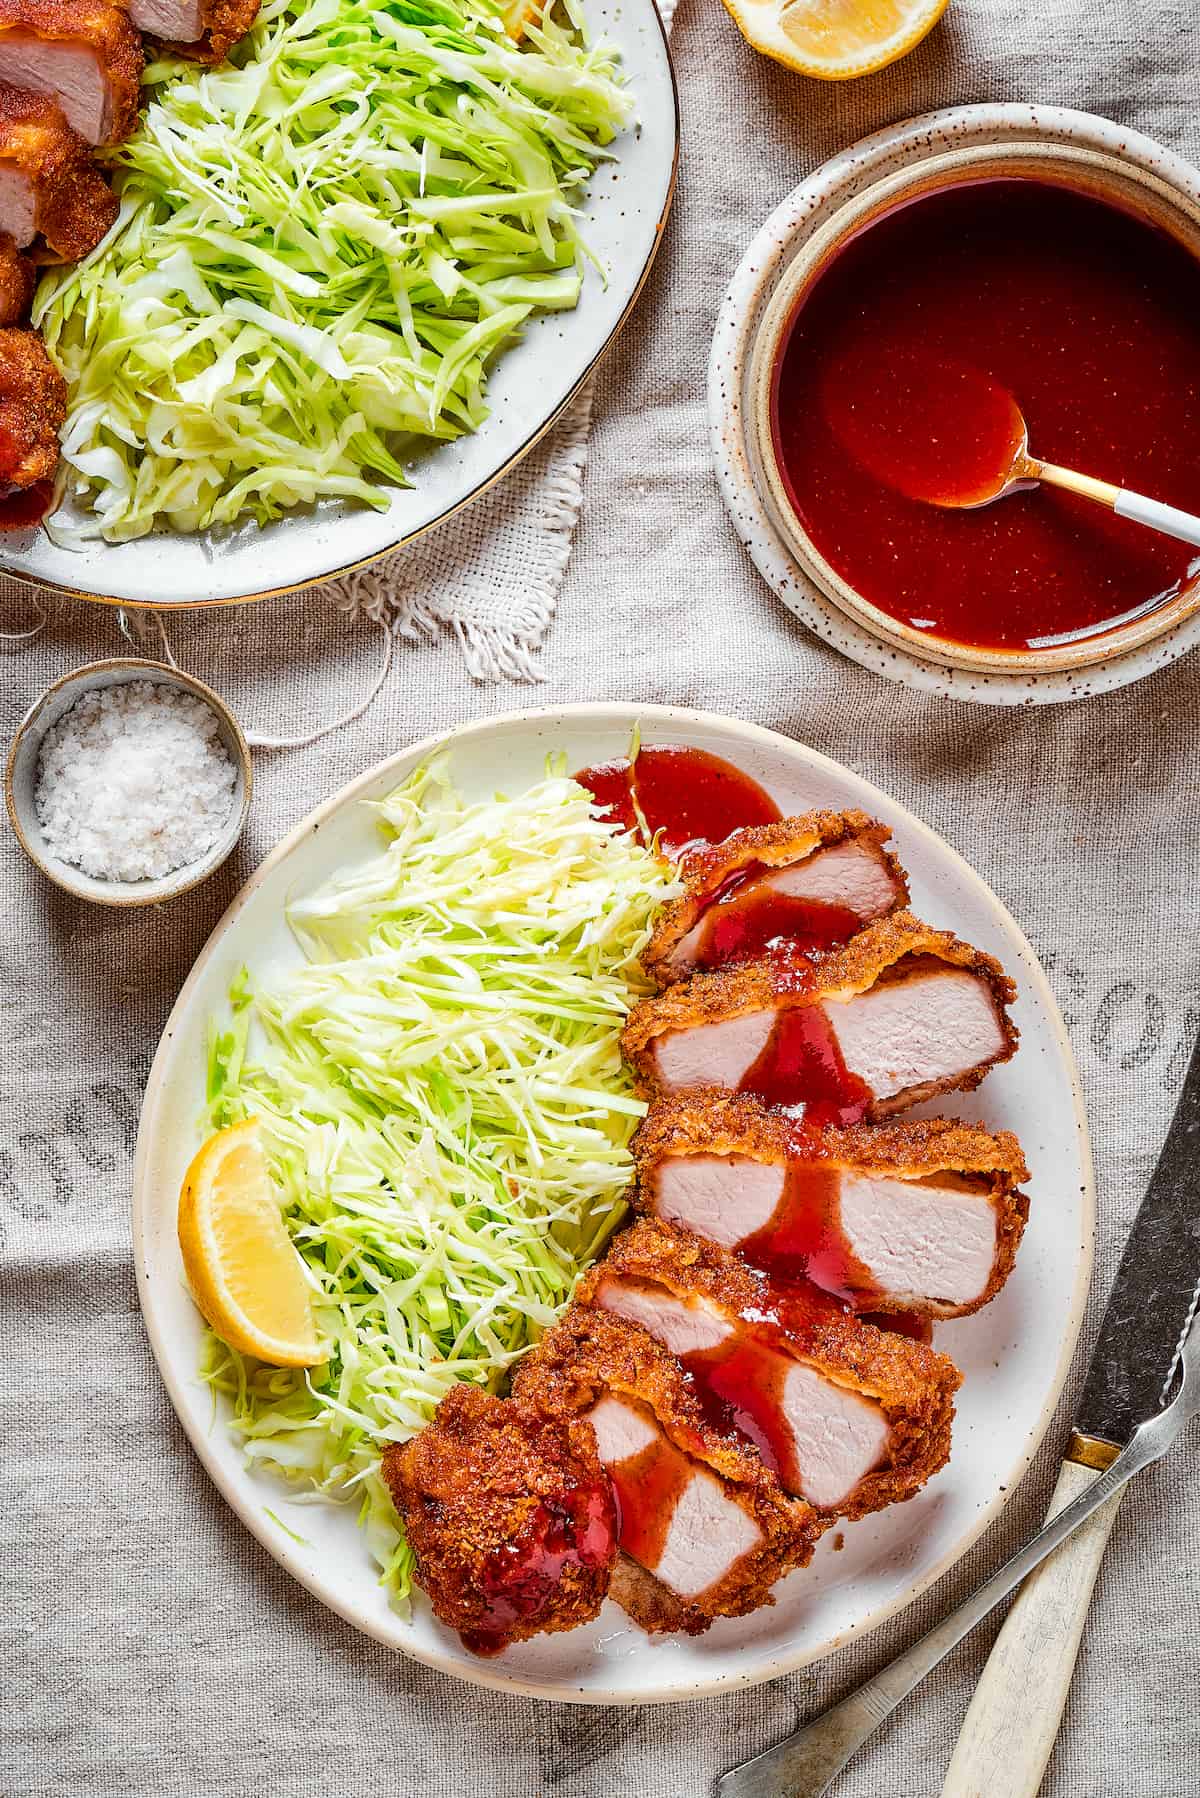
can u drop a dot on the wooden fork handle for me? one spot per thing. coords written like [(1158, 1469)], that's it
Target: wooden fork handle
[(1014, 1716)]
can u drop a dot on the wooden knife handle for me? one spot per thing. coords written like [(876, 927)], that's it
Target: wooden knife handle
[(1014, 1716)]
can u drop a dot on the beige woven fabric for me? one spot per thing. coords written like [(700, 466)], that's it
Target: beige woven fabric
[(150, 1647)]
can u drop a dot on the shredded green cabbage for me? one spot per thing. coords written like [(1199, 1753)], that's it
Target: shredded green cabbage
[(445, 1110), (321, 248)]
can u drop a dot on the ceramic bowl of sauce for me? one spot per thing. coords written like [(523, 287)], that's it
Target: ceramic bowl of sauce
[(1055, 273)]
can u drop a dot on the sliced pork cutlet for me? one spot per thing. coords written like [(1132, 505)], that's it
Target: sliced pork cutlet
[(49, 186), (799, 885), (202, 30), (85, 54), (510, 1516), (849, 1417), (901, 1014), (18, 277), (704, 1525), (33, 405), (918, 1215)]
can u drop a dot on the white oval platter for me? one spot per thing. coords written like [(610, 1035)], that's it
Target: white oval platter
[(622, 222), (1014, 1355)]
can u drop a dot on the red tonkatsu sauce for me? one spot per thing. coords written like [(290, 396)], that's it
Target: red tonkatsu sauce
[(687, 795), (24, 506), (745, 919), (892, 381), (580, 1528), (739, 1388), (804, 1236), (648, 1486), (801, 1064)]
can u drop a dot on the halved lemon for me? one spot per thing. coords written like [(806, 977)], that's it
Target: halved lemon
[(835, 39), (244, 1273)]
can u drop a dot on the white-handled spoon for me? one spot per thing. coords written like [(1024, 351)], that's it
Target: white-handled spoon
[(948, 434), (1024, 470)]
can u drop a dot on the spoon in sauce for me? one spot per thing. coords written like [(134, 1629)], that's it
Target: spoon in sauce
[(948, 435)]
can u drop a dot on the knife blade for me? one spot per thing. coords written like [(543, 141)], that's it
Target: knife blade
[(1154, 1296)]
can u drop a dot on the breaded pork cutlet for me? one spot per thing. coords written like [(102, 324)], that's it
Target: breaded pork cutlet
[(202, 30), (800, 883), (705, 1527), (921, 1215), (850, 1417), (84, 54), (17, 281), (49, 186), (33, 405), (902, 1013), (510, 1516)]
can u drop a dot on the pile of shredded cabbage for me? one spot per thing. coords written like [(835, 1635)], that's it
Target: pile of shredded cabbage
[(321, 247), (446, 1113)]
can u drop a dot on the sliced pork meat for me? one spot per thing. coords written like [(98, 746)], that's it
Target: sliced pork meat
[(85, 54), (33, 405), (848, 1416), (49, 186), (799, 885), (922, 1215), (704, 1520), (17, 281), (902, 1013), (202, 30), (510, 1516)]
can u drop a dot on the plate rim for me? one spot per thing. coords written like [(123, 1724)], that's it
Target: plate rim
[(27, 578), (844, 173), (143, 1198)]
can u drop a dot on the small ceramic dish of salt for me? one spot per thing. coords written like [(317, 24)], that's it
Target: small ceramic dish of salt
[(128, 782)]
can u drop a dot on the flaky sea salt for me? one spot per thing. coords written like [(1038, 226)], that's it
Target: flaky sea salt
[(133, 782)]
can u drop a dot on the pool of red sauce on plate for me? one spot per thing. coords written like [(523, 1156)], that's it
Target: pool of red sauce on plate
[(694, 800), (689, 796), (1088, 317)]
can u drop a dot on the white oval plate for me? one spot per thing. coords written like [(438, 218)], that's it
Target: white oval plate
[(622, 222), (730, 418), (1015, 1354)]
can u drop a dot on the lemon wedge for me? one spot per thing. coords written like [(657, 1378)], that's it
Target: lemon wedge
[(835, 39), (519, 13), (243, 1271)]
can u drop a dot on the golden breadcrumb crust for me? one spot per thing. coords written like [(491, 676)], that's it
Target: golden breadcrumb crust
[(33, 405), (471, 1486), (588, 1354), (886, 950), (74, 204), (94, 25), (712, 1121), (17, 281), (226, 22), (913, 1385), (777, 845)]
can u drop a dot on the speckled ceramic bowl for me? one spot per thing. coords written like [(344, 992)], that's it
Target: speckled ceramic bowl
[(20, 783), (964, 143)]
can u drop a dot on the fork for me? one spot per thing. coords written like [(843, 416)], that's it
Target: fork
[(804, 1764)]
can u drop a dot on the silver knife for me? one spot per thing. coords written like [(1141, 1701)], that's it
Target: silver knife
[(1142, 1387)]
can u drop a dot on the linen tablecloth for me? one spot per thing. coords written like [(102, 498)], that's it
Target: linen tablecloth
[(150, 1646)]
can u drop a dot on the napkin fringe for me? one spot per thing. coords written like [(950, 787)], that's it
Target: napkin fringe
[(494, 649)]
